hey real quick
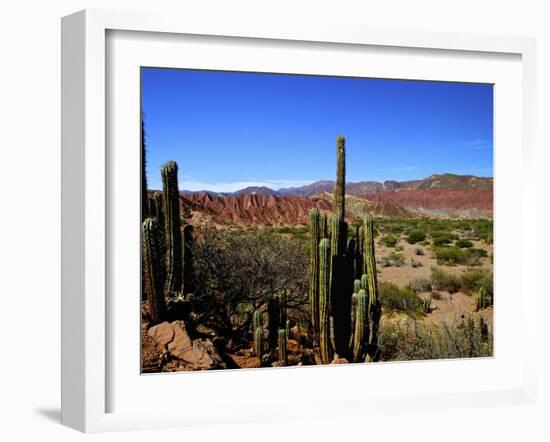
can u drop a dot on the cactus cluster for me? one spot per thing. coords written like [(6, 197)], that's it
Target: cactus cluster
[(167, 245), (344, 303), (152, 270)]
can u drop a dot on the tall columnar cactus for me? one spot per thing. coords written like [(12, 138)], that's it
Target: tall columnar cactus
[(259, 341), (257, 319), (315, 238), (172, 231), (324, 226), (157, 198), (340, 286), (364, 282), (152, 270), (339, 205), (370, 260), (361, 333), (324, 300), (356, 286), (359, 250), (375, 309), (188, 275), (282, 346), (144, 205), (481, 298)]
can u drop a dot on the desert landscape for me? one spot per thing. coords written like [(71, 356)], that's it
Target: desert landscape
[(332, 272)]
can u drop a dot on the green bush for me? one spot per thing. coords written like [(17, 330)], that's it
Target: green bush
[(389, 240), (444, 281), (455, 255), (472, 280), (416, 236), (464, 243), (442, 238), (400, 299)]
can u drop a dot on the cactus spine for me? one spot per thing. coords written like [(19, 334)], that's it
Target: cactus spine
[(315, 238), (282, 346), (361, 334), (152, 270), (172, 232), (324, 300), (187, 260)]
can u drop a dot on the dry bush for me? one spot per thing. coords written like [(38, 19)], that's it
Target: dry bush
[(465, 337)]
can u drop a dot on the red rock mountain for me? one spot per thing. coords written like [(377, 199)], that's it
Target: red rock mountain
[(254, 209)]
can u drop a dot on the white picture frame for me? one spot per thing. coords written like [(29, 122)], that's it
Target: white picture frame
[(85, 218)]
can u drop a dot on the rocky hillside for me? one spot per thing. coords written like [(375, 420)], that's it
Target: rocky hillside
[(442, 181), (253, 209), (471, 203)]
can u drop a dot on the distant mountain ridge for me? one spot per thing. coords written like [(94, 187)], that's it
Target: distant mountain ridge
[(437, 181)]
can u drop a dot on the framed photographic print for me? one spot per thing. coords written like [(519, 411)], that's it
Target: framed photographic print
[(250, 208)]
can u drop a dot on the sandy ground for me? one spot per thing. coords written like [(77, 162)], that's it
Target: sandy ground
[(404, 274), (450, 306)]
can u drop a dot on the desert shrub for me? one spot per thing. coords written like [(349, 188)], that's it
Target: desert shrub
[(449, 255), (465, 337), (456, 255), (419, 251), (475, 278), (442, 238), (389, 240), (397, 259), (444, 281), (401, 299), (463, 243), (419, 285), (236, 270), (415, 264), (416, 236)]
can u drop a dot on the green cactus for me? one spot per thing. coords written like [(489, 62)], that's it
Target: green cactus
[(324, 226), (152, 272), (324, 300), (339, 204), (257, 319), (359, 247), (361, 333), (481, 301), (375, 309), (357, 286), (315, 238), (144, 206), (282, 346), (172, 231), (364, 281), (340, 286), (188, 275), (258, 341)]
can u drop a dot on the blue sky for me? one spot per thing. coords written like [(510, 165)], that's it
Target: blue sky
[(229, 130)]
